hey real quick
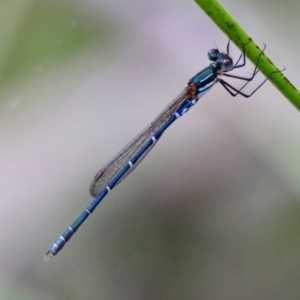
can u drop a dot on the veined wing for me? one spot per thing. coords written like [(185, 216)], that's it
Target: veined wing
[(110, 170)]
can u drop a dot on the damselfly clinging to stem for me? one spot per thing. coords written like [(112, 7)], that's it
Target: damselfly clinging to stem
[(132, 154)]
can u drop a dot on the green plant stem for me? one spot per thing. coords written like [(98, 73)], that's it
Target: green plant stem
[(239, 37)]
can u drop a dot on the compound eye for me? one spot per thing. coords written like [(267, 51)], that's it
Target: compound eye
[(213, 54), (227, 64)]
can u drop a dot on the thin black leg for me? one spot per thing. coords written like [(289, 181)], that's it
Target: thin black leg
[(228, 45), (241, 56), (243, 64), (229, 88), (226, 85)]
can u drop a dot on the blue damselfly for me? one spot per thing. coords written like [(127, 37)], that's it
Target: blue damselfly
[(132, 154)]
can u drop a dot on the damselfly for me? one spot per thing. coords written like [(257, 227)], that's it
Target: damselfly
[(132, 154)]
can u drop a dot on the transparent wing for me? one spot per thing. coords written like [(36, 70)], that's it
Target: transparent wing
[(110, 170)]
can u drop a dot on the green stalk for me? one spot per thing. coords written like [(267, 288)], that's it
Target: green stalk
[(239, 37)]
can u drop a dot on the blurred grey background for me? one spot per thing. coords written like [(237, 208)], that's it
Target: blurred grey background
[(214, 210)]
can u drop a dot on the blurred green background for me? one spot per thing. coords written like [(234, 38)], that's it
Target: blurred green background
[(212, 213)]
